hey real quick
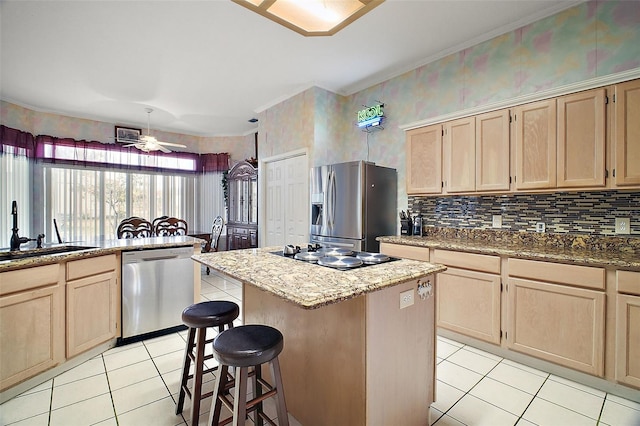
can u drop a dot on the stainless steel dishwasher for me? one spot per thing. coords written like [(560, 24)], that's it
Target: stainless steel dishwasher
[(157, 285)]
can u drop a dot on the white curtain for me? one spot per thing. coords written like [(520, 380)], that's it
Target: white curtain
[(15, 185), (211, 200)]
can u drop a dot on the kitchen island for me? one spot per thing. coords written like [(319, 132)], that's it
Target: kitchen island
[(352, 355)]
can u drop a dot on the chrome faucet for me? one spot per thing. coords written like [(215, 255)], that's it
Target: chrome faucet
[(16, 239)]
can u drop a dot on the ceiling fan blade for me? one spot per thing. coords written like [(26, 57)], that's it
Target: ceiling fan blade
[(163, 149), (131, 144), (171, 144)]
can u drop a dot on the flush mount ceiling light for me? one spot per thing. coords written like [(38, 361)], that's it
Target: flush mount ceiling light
[(311, 17)]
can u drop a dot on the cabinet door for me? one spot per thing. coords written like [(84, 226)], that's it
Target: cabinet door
[(557, 323), (628, 340), (468, 303), (460, 155), (31, 323), (627, 134), (535, 135), (492, 151), (581, 139), (424, 160), (91, 312)]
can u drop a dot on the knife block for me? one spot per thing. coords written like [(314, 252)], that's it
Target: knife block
[(406, 227)]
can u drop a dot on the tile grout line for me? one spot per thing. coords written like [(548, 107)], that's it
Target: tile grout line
[(532, 399), (113, 405)]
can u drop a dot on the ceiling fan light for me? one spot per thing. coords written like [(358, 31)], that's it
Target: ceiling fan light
[(312, 17)]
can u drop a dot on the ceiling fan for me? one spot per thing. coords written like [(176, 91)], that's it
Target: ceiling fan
[(148, 143)]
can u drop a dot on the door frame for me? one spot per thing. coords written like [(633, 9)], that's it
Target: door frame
[(262, 187)]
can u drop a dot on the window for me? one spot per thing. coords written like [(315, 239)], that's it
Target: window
[(89, 204)]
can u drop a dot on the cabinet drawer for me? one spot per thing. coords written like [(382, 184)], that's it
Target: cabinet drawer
[(91, 266), (241, 231), (405, 252), (581, 276), (477, 262), (29, 278), (628, 282)]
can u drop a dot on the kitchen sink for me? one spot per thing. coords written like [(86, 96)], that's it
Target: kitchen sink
[(45, 251)]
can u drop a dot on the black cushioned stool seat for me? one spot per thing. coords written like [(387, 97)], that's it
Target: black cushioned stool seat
[(198, 317), (244, 347)]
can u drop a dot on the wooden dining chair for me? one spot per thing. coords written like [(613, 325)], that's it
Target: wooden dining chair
[(134, 227), (216, 231), (170, 226), (156, 221)]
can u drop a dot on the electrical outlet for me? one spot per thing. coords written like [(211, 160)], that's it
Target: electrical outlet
[(497, 221), (622, 225), (406, 298), (540, 227)]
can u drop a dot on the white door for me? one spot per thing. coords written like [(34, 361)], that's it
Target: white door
[(287, 202), (274, 205)]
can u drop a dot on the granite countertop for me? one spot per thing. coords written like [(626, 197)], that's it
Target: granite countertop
[(622, 253), (95, 248), (308, 285)]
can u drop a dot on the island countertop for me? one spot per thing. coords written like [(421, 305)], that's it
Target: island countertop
[(307, 285)]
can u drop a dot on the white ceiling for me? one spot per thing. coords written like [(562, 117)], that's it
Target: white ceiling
[(208, 66)]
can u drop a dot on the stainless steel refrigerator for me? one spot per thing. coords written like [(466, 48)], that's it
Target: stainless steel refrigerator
[(352, 204)]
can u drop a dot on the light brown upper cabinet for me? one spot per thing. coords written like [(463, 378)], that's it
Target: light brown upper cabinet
[(535, 144), (424, 160), (581, 139), (460, 155), (492, 151), (627, 134)]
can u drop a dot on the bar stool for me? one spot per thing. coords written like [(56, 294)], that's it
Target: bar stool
[(244, 347), (198, 317)]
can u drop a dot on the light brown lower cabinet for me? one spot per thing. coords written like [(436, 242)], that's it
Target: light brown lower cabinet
[(32, 314), (91, 303), (628, 328), (469, 303), (560, 323), (468, 299)]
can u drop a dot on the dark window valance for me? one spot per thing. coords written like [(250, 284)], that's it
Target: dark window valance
[(67, 151), (214, 162), (16, 142)]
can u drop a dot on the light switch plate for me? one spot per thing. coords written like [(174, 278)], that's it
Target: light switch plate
[(622, 225), (540, 227), (497, 221)]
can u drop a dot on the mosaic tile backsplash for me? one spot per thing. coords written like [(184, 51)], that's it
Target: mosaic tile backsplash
[(591, 213)]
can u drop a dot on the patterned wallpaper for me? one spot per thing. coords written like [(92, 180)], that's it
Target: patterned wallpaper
[(577, 213)]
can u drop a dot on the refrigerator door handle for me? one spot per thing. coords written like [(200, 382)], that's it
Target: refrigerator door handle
[(332, 198)]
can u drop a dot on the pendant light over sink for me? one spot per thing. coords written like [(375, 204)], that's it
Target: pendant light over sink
[(311, 17)]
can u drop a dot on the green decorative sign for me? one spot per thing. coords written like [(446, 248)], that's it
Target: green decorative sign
[(371, 116)]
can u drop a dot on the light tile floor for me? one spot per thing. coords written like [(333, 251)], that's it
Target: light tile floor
[(138, 384)]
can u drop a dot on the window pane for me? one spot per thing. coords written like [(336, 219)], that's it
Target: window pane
[(75, 203), (141, 196), (115, 201)]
